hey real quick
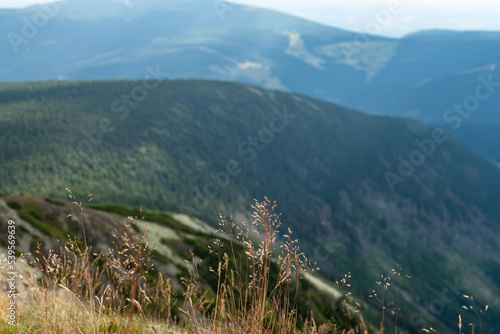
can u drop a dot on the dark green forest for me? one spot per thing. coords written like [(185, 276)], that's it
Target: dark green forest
[(204, 147)]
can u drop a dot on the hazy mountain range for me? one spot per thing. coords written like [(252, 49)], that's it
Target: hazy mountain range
[(420, 76)]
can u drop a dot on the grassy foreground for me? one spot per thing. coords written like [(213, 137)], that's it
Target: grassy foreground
[(77, 290)]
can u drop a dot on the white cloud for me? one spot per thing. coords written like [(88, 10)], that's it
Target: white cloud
[(354, 15), (126, 2), (21, 3), (416, 14)]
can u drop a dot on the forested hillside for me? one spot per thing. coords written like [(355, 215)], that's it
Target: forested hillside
[(204, 147)]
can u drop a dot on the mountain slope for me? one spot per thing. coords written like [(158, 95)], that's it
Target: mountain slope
[(44, 226), (204, 147), (419, 76)]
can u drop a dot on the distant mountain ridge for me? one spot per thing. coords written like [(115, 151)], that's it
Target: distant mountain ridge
[(453, 34), (419, 76)]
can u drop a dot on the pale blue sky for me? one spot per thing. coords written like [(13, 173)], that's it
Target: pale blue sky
[(357, 14)]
